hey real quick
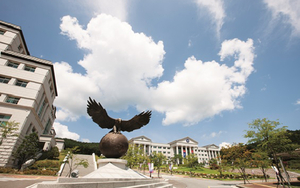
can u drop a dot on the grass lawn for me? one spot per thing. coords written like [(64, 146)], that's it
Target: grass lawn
[(202, 170), (294, 170)]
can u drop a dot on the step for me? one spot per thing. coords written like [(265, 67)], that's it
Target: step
[(73, 182), (150, 185)]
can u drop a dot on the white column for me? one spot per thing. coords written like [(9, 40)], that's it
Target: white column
[(176, 150), (182, 151)]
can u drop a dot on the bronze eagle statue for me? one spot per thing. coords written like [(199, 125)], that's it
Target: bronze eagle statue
[(100, 116)]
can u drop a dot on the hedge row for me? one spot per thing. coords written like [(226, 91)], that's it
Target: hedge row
[(28, 171), (214, 176), (46, 164)]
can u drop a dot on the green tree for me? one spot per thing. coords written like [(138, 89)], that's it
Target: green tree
[(213, 164), (72, 160), (191, 161), (177, 159), (158, 159), (8, 129), (238, 157), (271, 139), (133, 156), (261, 160), (53, 153), (27, 150)]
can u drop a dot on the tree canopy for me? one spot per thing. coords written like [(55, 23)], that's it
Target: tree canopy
[(28, 149)]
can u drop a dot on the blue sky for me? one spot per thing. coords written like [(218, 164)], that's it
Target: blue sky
[(205, 68)]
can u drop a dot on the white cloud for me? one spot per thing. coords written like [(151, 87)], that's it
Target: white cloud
[(288, 10), (62, 131), (298, 102), (213, 135), (85, 140), (121, 64), (224, 145), (216, 10), (204, 89), (116, 8)]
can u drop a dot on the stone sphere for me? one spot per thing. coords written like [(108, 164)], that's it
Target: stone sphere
[(113, 145)]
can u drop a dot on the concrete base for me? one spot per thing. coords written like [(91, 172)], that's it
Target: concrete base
[(114, 168), (112, 173)]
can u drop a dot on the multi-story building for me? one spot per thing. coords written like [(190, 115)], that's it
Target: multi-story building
[(184, 147), (27, 92)]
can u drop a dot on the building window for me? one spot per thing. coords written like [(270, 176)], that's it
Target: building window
[(164, 152), (21, 83), (30, 69), (4, 119), (41, 108), (48, 127), (11, 64), (2, 32), (20, 48), (34, 129), (4, 80), (164, 147), (159, 147), (154, 146), (29, 128), (13, 100)]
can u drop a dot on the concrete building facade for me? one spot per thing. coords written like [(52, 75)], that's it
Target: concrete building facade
[(27, 92), (184, 147)]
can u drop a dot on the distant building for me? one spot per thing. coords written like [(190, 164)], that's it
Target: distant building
[(27, 91), (184, 147)]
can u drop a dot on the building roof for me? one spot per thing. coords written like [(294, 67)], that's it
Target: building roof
[(18, 28), (185, 138), (35, 60), (141, 138)]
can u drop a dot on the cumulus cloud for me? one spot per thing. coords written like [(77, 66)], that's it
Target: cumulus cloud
[(121, 67), (224, 145), (116, 8), (298, 102), (216, 10), (204, 89), (62, 131), (213, 134), (85, 140), (288, 10)]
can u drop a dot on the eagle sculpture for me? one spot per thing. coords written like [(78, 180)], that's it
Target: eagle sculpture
[(100, 116)]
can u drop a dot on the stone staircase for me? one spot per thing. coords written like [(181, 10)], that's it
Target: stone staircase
[(112, 173), (107, 183), (82, 171)]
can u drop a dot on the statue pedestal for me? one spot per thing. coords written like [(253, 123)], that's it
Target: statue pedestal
[(114, 169), (110, 173), (121, 163)]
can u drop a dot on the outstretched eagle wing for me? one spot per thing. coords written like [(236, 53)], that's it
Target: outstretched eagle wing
[(136, 122), (99, 114)]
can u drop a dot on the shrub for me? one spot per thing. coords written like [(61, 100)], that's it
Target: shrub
[(7, 170), (53, 153), (46, 164)]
